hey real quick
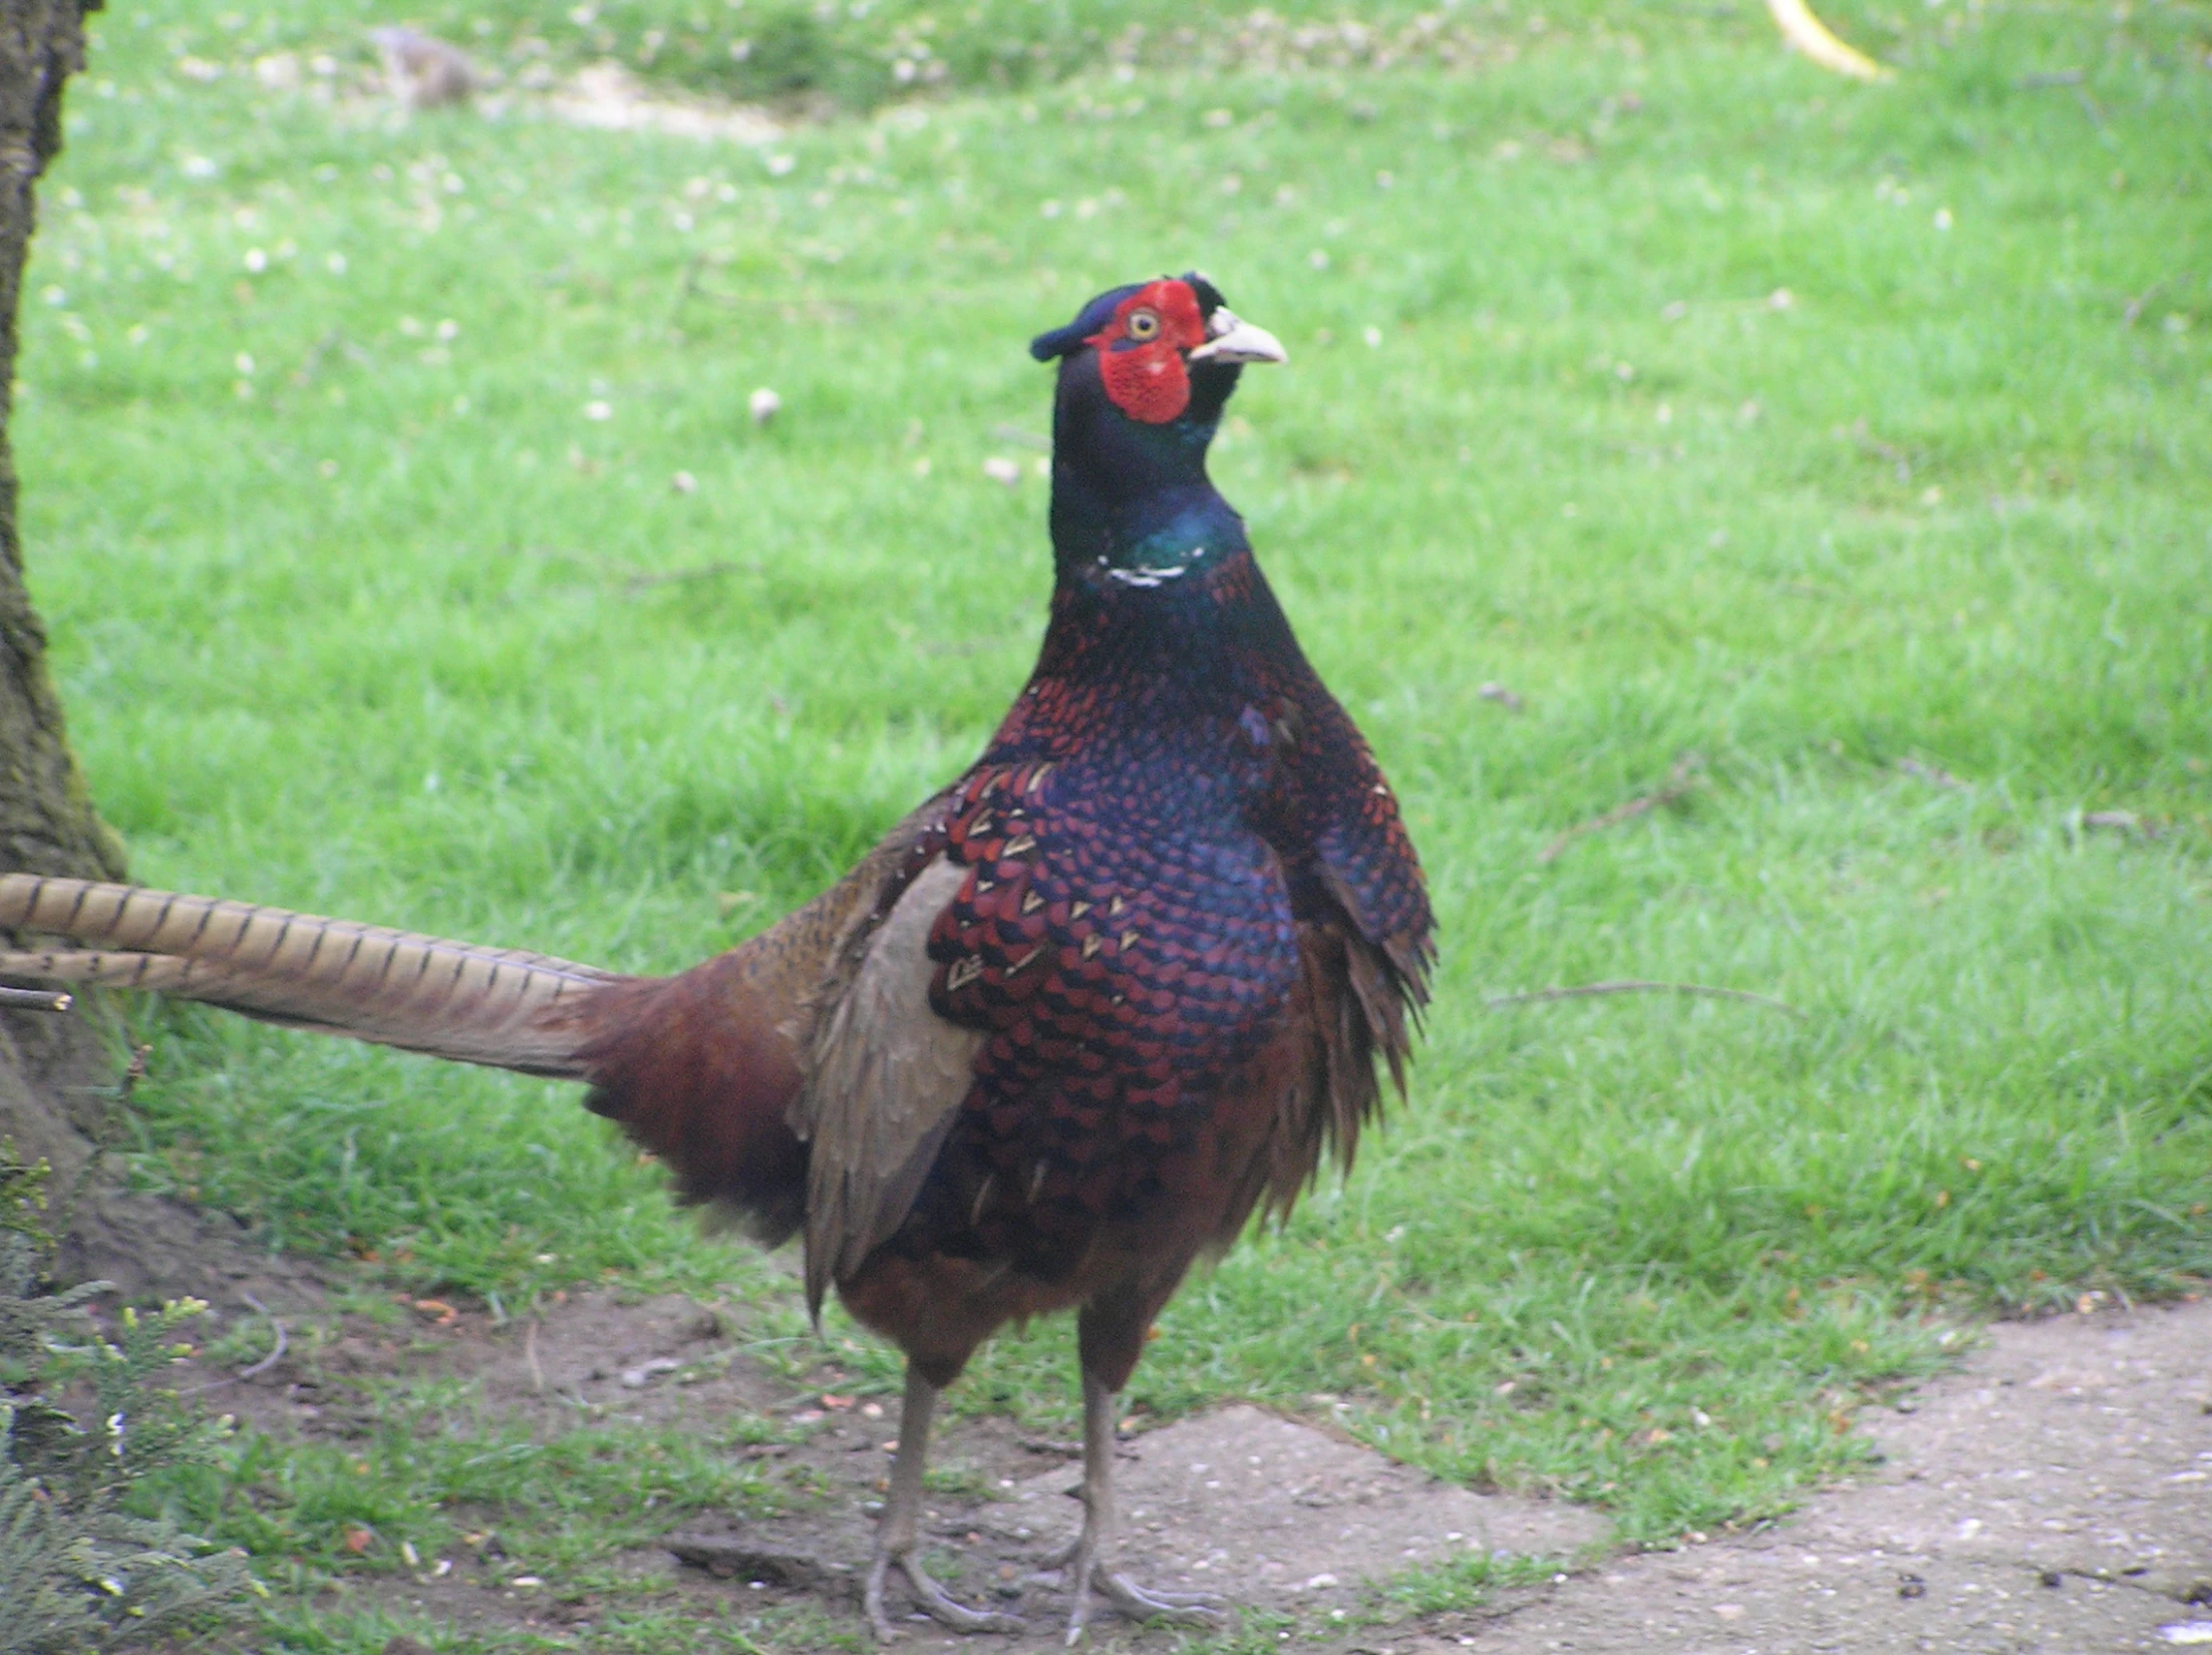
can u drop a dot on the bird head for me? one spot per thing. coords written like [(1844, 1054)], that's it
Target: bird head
[(1144, 372), (1156, 347)]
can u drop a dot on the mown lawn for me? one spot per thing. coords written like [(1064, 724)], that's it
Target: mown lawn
[(1845, 451)]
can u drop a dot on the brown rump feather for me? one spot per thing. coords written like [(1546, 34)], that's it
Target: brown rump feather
[(707, 1069)]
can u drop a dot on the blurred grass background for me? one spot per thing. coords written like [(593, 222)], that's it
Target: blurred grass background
[(408, 554)]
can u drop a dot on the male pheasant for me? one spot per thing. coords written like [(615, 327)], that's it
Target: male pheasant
[(1058, 1035)]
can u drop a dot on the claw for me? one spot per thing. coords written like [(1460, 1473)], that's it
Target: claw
[(1138, 1602), (932, 1600), (1141, 1603)]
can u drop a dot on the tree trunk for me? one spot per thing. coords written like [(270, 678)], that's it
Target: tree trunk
[(53, 1070)]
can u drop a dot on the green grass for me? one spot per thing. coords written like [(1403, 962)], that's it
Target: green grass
[(1681, 417)]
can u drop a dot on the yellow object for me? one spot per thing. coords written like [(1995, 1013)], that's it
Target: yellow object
[(1810, 36)]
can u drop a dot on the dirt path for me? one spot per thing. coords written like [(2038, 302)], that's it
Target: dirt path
[(2055, 1495)]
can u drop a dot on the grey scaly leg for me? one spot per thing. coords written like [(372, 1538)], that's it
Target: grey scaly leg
[(896, 1535), (1086, 1558)]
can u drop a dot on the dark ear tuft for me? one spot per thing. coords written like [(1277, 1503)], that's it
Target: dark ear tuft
[(1068, 340), (1060, 342), (1210, 296)]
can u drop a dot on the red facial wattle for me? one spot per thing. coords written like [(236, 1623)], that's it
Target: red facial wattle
[(1140, 351)]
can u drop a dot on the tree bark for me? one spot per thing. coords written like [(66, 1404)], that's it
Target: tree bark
[(53, 1070)]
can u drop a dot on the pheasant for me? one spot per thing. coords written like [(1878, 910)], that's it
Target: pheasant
[(1056, 1038)]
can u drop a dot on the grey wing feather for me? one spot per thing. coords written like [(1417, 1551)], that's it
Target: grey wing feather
[(886, 1079)]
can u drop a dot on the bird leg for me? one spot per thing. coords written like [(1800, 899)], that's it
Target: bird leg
[(1084, 1558), (896, 1535)]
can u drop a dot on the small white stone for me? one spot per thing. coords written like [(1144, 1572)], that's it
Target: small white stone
[(764, 405), (999, 468)]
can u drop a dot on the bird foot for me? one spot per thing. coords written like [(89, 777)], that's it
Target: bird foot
[(929, 1597), (1139, 1603)]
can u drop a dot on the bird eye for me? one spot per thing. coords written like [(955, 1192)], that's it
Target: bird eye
[(1144, 325)]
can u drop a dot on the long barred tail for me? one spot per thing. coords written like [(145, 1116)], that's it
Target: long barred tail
[(502, 1007)]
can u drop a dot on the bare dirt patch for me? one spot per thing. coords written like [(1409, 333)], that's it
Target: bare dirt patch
[(608, 96), (2053, 1495), (154, 1248), (1270, 1511)]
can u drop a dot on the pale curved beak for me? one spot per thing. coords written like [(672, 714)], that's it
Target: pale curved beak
[(1231, 339)]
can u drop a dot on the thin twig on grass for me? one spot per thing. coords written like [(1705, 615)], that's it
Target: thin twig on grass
[(1890, 452), (795, 307), (1501, 695), (687, 285), (312, 364), (1680, 781), (35, 999), (1636, 985), (1934, 774), (2120, 821), (275, 1356), (676, 577), (2136, 305)]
